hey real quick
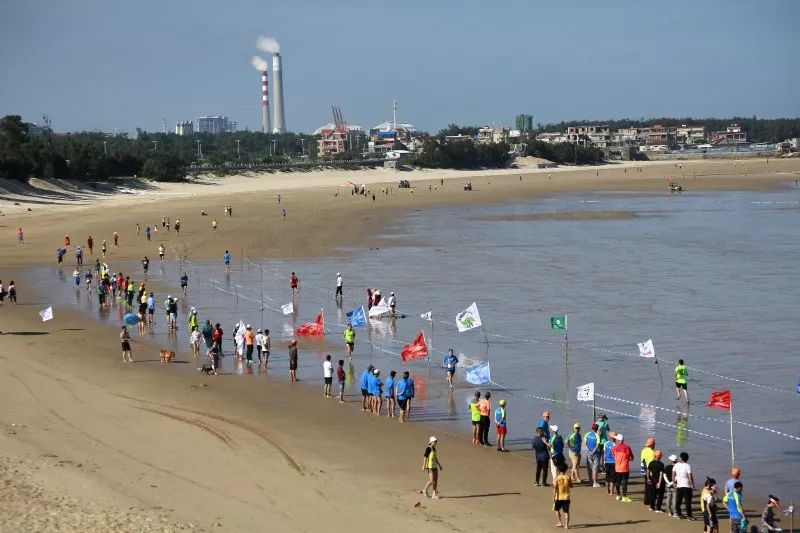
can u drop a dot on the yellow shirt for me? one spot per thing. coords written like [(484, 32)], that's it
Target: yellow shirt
[(647, 455), (562, 486)]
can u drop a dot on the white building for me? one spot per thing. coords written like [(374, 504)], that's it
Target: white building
[(184, 128)]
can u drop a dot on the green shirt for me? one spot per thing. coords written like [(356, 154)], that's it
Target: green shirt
[(476, 413), (680, 374)]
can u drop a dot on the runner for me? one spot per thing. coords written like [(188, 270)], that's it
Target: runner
[(349, 340), (214, 224), (103, 247), (88, 278), (194, 341), (161, 252), (680, 381), (226, 258), (90, 244), (293, 361), (561, 487), (294, 283), (147, 232), (340, 376), (184, 282), (501, 423), (151, 309), (145, 265), (450, 362), (327, 374), (125, 340), (431, 465), (76, 276)]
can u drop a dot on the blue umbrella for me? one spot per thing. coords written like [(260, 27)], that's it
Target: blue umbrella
[(131, 319)]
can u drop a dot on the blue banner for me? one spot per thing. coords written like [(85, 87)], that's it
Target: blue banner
[(478, 374), (357, 317)]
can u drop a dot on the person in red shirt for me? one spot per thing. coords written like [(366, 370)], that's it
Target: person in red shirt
[(294, 283), (216, 339), (623, 455)]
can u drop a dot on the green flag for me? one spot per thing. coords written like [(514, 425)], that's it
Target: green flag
[(558, 323)]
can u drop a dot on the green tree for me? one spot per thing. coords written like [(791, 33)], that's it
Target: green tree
[(163, 166)]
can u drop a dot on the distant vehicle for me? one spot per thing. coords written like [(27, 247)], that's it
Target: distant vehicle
[(674, 187), (404, 184)]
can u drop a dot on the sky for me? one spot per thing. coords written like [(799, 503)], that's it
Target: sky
[(106, 65)]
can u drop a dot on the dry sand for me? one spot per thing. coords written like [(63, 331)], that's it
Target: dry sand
[(90, 444)]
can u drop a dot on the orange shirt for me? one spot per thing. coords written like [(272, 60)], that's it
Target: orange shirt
[(249, 337), (484, 406), (623, 455)]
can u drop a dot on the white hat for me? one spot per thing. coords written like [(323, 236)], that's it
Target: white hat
[(249, 326), (338, 273), (432, 439), (618, 436), (169, 297), (376, 371), (673, 457), (392, 293), (554, 428)]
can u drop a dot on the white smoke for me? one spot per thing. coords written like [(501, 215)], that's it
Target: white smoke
[(268, 45), (259, 63)]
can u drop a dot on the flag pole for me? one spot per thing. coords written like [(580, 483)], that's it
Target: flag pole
[(660, 377), (730, 411), (429, 351), (485, 336)]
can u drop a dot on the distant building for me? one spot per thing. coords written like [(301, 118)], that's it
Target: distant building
[(632, 136), (457, 138), (215, 125), (492, 135), (659, 135), (332, 143), (184, 128), (552, 137), (599, 136), (524, 123), (35, 129), (691, 135), (733, 134)]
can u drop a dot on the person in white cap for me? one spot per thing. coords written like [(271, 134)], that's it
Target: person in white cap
[(339, 282), (431, 465), (392, 301), (623, 455), (669, 484)]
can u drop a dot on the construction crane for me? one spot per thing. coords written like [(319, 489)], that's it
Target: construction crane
[(338, 121)]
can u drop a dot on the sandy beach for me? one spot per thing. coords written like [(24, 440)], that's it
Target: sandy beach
[(90, 444)]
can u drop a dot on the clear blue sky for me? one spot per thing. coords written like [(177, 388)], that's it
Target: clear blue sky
[(100, 64)]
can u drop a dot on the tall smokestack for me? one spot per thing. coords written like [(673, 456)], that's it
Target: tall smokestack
[(264, 103), (279, 126)]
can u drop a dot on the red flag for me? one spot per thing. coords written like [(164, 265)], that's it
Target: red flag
[(720, 399), (417, 349), (315, 328)]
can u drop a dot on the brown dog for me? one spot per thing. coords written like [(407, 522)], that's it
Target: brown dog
[(167, 356)]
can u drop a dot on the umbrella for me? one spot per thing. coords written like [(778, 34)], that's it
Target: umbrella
[(131, 319)]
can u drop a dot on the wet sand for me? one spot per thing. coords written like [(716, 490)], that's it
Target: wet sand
[(567, 215), (97, 445)]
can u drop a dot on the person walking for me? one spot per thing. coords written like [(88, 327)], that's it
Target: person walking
[(194, 341), (669, 484), (655, 479), (593, 455), (733, 502), (293, 360), (574, 443), (680, 381), (79, 256), (90, 244), (147, 232), (20, 236), (116, 238), (541, 452), (340, 377), (684, 484), (208, 335), (502, 427), (349, 340), (485, 407), (294, 283), (339, 282), (103, 247), (125, 341), (432, 466), (161, 252), (623, 455), (327, 376), (561, 489), (450, 362), (216, 339), (768, 515), (646, 455)]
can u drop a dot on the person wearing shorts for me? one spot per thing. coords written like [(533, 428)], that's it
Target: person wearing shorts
[(611, 473), (293, 360), (125, 341), (364, 384), (561, 488), (327, 374), (401, 393), (340, 376)]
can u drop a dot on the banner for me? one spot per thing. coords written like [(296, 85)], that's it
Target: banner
[(720, 399), (417, 349), (586, 393), (381, 309), (357, 317), (46, 314), (558, 323), (288, 309), (646, 349), (427, 316), (478, 374), (468, 319), (314, 329)]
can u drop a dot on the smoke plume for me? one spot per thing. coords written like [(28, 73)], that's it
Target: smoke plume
[(268, 45), (259, 63)]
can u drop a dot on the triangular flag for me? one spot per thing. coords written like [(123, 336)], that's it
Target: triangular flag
[(315, 328), (468, 319), (720, 399), (381, 309), (46, 314), (417, 349)]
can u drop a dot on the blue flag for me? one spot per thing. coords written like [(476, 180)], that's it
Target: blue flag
[(357, 317), (478, 374)]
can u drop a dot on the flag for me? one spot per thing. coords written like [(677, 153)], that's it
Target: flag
[(478, 374), (315, 328), (646, 349), (558, 323), (288, 309), (468, 318), (46, 314), (381, 309), (417, 349), (720, 399), (357, 317), (586, 392), (239, 338), (427, 316)]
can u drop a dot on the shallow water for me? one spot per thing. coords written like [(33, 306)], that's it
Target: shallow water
[(710, 277)]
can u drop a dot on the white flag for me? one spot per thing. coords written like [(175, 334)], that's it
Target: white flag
[(468, 318), (288, 309), (646, 349), (426, 316), (46, 314), (381, 309), (586, 393)]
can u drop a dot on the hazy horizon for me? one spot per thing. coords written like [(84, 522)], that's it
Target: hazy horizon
[(92, 65)]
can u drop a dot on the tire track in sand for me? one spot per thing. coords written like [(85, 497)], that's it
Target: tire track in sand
[(221, 435)]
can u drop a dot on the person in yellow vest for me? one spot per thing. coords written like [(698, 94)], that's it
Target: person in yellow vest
[(475, 413), (680, 381), (431, 465), (192, 319), (647, 455), (349, 339)]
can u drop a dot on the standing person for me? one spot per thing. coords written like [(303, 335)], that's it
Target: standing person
[(116, 237), (708, 505), (327, 374), (226, 258), (79, 256), (20, 236), (431, 465), (266, 347), (541, 452), (249, 341), (293, 360), (161, 252), (392, 301), (390, 394), (125, 340), (684, 484), (214, 224), (450, 362), (647, 454), (294, 283), (475, 414), (655, 480), (90, 244), (574, 443), (561, 487), (603, 427), (339, 282), (485, 407), (163, 221), (340, 377), (138, 228), (147, 232), (733, 501), (151, 309), (736, 473), (12, 293), (502, 427), (194, 341), (184, 283), (145, 265), (101, 294), (216, 339), (593, 454), (680, 381), (402, 396), (669, 485), (349, 340), (177, 226), (364, 384), (208, 335), (556, 450), (544, 424), (259, 345), (623, 455), (377, 398), (411, 391), (768, 515), (192, 322)]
